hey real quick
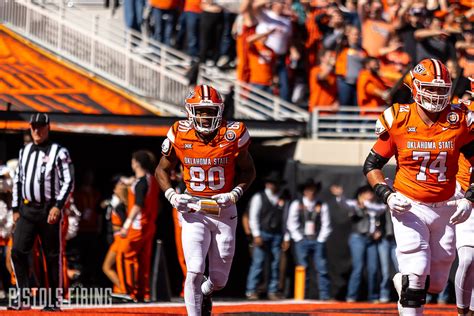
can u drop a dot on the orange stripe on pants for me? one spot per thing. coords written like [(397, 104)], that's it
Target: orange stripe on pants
[(132, 250)]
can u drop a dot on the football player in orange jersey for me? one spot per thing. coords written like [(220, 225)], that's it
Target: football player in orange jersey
[(217, 169), (464, 279), (426, 138)]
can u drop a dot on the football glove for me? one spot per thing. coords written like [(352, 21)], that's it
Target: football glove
[(178, 201), (227, 199), (398, 203), (463, 210)]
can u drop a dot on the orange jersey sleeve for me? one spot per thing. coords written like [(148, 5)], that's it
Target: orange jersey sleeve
[(208, 168), (465, 167), (427, 156)]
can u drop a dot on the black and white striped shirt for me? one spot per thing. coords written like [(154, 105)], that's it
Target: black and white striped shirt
[(44, 175)]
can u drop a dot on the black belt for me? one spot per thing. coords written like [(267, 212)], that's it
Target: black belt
[(35, 204)]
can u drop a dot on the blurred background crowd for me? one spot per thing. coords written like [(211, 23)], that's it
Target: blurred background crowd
[(316, 53)]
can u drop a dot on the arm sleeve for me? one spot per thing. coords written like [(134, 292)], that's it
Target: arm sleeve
[(325, 224), (293, 223), (244, 139), (384, 146), (141, 189), (66, 177), (254, 214), (16, 190)]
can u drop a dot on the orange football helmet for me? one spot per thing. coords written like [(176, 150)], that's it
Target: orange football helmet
[(430, 84), (207, 99)]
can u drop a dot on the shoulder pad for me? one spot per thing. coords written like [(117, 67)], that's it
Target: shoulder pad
[(385, 121), (237, 131), (389, 116)]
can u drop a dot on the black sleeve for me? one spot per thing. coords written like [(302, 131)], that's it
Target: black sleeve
[(468, 150), (121, 212), (141, 189)]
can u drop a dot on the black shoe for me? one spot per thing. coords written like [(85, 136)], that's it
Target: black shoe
[(206, 306), (18, 305), (51, 309)]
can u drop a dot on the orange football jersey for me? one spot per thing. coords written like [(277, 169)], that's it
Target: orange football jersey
[(465, 168), (208, 168), (427, 157)]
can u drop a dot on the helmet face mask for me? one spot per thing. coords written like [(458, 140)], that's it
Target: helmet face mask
[(430, 84), (206, 118), (433, 97), (204, 106)]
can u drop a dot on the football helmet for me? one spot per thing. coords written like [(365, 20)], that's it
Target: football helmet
[(207, 99), (430, 85)]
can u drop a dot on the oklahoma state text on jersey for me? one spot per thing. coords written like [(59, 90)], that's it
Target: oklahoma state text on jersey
[(209, 168), (427, 157), (465, 168)]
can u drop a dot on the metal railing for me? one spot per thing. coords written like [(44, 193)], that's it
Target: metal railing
[(251, 102), (344, 122), (157, 74)]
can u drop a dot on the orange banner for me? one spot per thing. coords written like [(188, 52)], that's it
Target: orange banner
[(34, 80)]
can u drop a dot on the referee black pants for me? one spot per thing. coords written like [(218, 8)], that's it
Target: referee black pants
[(33, 223)]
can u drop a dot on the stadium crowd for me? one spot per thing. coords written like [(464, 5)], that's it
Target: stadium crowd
[(318, 52)]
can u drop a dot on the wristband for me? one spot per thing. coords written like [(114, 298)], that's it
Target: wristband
[(127, 224), (237, 193), (170, 193), (382, 190), (470, 193)]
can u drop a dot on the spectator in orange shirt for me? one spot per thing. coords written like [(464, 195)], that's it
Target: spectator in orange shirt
[(375, 29), (165, 14), (261, 61), (322, 82), (371, 91), (244, 27), (394, 60), (348, 64)]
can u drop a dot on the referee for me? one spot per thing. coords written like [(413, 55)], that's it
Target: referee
[(42, 185)]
